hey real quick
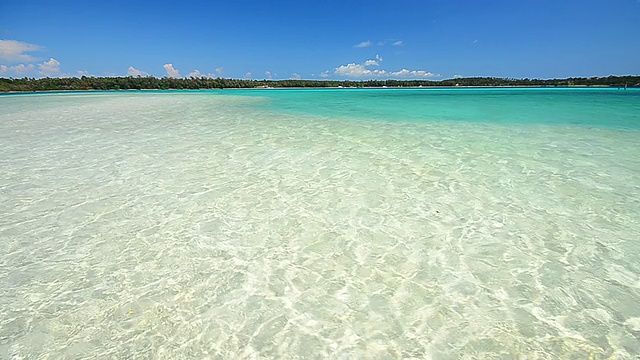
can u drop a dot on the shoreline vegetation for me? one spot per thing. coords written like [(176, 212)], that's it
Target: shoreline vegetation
[(167, 83)]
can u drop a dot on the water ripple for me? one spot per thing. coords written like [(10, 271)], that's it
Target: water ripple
[(202, 226)]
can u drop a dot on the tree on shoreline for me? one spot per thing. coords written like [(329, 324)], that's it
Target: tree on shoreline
[(166, 83)]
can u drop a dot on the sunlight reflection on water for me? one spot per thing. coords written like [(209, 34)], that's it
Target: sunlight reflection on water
[(190, 225)]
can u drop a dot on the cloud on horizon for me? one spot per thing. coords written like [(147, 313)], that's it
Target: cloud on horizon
[(411, 74), (15, 51), (171, 71), (296, 76), (354, 70), (18, 70), (135, 72), (195, 74), (50, 68)]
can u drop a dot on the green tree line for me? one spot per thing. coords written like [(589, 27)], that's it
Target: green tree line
[(166, 83)]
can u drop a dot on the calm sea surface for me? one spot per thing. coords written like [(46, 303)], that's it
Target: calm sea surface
[(389, 223)]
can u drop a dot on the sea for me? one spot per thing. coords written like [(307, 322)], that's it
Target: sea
[(464, 223)]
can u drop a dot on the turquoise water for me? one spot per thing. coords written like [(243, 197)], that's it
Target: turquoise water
[(391, 223), (594, 107)]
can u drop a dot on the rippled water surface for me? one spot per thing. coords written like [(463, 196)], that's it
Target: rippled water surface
[(235, 225)]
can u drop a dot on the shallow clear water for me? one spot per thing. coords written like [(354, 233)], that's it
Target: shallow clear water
[(276, 224), (600, 107)]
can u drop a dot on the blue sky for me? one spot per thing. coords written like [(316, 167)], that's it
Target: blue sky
[(282, 39)]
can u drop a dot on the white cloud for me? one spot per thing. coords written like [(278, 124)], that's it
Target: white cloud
[(324, 74), (135, 72), (14, 51), (23, 69), (171, 71), (363, 44), (18, 70), (296, 76), (50, 68), (457, 76), (354, 70), (219, 70), (195, 74), (82, 73), (268, 75), (248, 75), (392, 42), (404, 73), (357, 70)]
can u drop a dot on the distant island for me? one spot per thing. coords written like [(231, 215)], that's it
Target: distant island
[(167, 83)]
